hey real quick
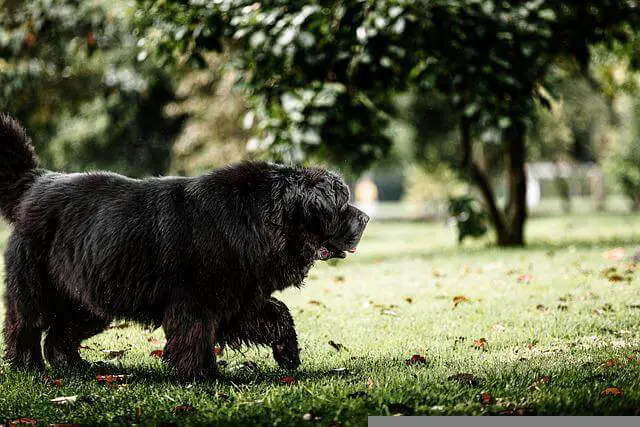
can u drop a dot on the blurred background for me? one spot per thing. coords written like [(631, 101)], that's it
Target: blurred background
[(480, 112)]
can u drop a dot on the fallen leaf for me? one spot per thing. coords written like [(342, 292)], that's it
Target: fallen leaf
[(57, 382), (415, 360), (110, 379), (615, 254), (338, 371), (22, 421), (615, 278), (311, 416), (156, 341), (217, 350), (336, 346), (611, 391), (409, 300), (182, 408), (64, 400), (113, 354), (157, 353), (459, 299), (540, 381), (524, 278), (465, 378), (486, 398), (480, 343), (541, 307), (288, 380), (316, 302), (370, 383), (339, 279)]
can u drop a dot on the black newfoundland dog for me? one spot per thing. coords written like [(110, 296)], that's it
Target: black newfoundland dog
[(198, 256)]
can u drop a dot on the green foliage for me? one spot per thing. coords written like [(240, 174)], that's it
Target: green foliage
[(627, 170), (69, 71), (321, 76), (470, 217)]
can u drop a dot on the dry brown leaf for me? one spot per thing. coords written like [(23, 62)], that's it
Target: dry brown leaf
[(415, 360), (22, 422), (480, 343), (615, 254), (182, 408), (611, 391), (287, 380), (459, 299), (540, 381)]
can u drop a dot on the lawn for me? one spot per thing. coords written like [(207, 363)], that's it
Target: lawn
[(551, 329)]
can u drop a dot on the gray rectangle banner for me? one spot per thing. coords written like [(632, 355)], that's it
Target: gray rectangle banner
[(504, 421)]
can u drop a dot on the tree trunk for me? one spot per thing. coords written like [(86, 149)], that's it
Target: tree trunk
[(516, 209), (509, 225), (478, 177)]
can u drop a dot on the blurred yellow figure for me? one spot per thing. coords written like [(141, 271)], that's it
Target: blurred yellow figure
[(366, 195)]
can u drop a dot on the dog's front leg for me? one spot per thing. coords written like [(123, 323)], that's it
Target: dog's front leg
[(269, 324)]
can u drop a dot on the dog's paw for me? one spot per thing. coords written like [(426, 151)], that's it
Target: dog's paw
[(286, 354)]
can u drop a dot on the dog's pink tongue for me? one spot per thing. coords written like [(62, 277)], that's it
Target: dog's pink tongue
[(323, 253)]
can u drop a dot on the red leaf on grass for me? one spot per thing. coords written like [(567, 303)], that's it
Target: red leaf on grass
[(611, 391), (486, 398), (288, 380), (525, 278), (480, 343), (22, 421), (217, 350), (415, 359), (182, 408), (57, 382), (157, 353), (110, 379)]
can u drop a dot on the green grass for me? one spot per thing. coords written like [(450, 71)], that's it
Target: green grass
[(392, 300)]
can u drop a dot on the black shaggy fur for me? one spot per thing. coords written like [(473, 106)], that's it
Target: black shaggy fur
[(199, 256)]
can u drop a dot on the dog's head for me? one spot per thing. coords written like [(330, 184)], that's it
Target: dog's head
[(336, 225)]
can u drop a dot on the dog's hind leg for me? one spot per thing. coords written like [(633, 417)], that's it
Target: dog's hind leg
[(191, 331), (270, 324), (23, 298), (68, 327)]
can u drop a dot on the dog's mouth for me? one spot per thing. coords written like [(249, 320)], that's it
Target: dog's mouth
[(328, 251)]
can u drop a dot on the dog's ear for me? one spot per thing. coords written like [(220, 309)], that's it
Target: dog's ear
[(322, 196)]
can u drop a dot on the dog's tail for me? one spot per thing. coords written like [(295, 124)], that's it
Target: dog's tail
[(18, 165)]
